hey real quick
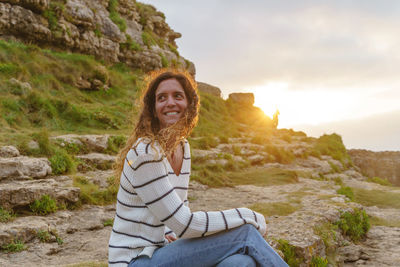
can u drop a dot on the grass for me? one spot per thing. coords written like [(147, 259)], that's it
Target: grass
[(43, 235), (317, 261), (274, 208), (354, 224), (43, 206), (378, 180), (327, 232), (331, 145), (289, 253), (379, 198), (108, 222), (14, 246), (92, 194), (346, 191), (115, 16), (6, 216), (263, 177), (383, 222)]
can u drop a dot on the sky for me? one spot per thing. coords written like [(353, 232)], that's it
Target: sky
[(328, 66)]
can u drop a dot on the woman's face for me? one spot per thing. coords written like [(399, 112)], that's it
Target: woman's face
[(171, 102)]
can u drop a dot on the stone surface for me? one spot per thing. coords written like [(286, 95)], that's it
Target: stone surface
[(242, 98), (19, 194), (382, 164), (85, 26), (207, 88), (23, 167), (9, 151), (98, 160)]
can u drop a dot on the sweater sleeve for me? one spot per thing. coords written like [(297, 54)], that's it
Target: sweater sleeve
[(149, 177)]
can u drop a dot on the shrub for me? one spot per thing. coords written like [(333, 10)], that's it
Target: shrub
[(92, 194), (338, 181), (61, 162), (16, 246), (280, 155), (5, 215), (224, 140), (317, 261), (354, 224), (334, 167), (148, 39), (43, 235), (346, 191), (45, 205), (332, 145), (164, 60), (289, 253), (42, 138)]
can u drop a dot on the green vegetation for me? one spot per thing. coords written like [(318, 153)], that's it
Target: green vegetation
[(130, 44), (274, 208), (164, 61), (331, 145), (115, 143), (334, 167), (378, 180), (279, 155), (318, 262), (43, 235), (44, 205), (354, 224), (383, 222), (379, 198), (61, 162), (264, 177), (289, 253), (346, 191), (92, 194), (327, 232), (148, 38), (108, 222), (6, 216), (115, 16), (14, 246)]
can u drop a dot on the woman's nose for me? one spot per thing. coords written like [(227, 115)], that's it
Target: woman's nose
[(170, 101)]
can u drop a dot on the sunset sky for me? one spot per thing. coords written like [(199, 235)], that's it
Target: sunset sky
[(328, 66)]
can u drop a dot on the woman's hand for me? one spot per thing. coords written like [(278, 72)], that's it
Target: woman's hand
[(170, 238)]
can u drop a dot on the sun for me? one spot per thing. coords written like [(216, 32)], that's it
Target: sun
[(299, 106)]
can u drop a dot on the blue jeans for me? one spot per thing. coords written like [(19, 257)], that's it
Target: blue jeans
[(241, 246)]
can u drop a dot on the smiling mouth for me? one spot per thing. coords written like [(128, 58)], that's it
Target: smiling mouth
[(171, 113)]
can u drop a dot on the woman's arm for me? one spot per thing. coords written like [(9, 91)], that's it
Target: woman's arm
[(149, 177)]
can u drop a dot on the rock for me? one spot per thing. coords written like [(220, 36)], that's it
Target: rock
[(9, 151), (242, 98), (97, 85), (24, 86), (33, 145), (24, 167), (381, 164), (221, 162), (207, 88), (321, 166), (97, 143), (83, 84), (98, 160), (85, 27), (350, 253), (19, 194), (256, 159)]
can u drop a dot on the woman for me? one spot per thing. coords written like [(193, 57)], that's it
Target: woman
[(152, 208)]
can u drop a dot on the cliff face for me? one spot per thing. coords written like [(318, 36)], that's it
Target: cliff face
[(381, 164), (113, 30)]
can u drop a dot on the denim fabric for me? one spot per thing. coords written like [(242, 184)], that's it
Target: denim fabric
[(215, 249)]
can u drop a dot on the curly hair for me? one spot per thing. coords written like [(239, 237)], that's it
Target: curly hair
[(148, 125)]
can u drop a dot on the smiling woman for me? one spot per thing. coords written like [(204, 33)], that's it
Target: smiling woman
[(152, 204)]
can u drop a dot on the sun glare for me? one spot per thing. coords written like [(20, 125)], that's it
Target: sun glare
[(301, 106)]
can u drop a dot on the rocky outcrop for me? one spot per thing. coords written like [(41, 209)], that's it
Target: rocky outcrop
[(142, 39), (382, 164), (24, 167), (18, 194), (242, 98), (209, 89)]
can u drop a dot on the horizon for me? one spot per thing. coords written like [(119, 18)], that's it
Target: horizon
[(325, 66)]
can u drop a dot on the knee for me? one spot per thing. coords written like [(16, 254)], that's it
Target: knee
[(250, 229)]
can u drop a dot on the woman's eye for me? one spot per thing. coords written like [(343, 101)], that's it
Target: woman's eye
[(180, 96), (161, 97)]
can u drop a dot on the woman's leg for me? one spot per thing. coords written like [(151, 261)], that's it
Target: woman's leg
[(238, 260), (213, 249)]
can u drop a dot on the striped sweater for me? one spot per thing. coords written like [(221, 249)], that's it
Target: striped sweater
[(152, 201)]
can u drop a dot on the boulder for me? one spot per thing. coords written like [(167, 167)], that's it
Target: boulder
[(9, 151), (242, 98), (24, 167), (318, 165), (19, 194), (207, 88), (97, 160)]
